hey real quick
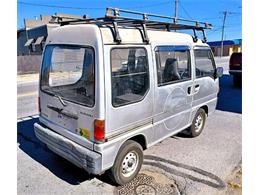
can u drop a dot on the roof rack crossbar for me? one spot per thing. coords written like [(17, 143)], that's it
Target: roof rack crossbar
[(195, 37), (204, 40), (116, 32), (145, 36)]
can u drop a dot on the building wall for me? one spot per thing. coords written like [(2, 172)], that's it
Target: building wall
[(28, 64), (35, 23), (235, 48), (227, 49), (24, 50), (34, 28), (34, 33), (21, 40)]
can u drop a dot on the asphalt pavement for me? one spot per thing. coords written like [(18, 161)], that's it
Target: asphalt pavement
[(178, 165), (27, 98)]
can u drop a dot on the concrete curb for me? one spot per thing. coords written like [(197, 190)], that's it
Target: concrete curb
[(27, 118)]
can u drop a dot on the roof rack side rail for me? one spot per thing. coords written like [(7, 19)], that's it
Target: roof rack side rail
[(116, 13), (63, 20)]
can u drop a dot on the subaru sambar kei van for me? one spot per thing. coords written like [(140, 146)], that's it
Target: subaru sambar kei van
[(112, 87)]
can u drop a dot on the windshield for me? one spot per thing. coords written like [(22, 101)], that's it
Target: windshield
[(68, 72)]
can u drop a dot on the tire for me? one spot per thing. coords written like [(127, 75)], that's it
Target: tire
[(127, 163), (198, 123), (237, 81)]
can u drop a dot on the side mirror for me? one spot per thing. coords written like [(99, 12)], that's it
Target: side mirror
[(218, 72)]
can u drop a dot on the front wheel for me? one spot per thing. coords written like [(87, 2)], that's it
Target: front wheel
[(127, 163), (198, 123)]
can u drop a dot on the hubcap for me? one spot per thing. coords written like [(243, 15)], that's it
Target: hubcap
[(130, 163), (198, 123)]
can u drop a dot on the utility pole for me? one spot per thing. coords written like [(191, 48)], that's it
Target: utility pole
[(223, 28), (176, 11), (26, 33), (176, 8)]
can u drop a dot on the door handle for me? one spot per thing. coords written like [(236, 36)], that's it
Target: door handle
[(64, 112), (197, 88), (189, 90)]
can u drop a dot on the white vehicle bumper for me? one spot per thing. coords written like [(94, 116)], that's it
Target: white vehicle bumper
[(82, 157)]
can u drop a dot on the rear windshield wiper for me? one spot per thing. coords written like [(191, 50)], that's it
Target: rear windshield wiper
[(61, 100), (56, 94)]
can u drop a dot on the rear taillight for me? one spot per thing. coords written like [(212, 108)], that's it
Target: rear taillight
[(39, 104), (99, 130)]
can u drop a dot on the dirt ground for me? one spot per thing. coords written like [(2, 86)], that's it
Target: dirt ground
[(27, 78)]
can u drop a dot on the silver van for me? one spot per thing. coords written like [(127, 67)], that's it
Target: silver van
[(112, 87)]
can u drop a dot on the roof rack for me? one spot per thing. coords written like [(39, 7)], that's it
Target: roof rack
[(142, 21)]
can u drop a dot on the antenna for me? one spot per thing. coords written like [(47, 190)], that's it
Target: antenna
[(176, 8)]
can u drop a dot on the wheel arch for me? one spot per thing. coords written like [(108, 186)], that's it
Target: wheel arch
[(205, 108), (140, 138)]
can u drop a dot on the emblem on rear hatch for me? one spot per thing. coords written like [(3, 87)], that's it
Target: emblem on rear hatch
[(86, 114)]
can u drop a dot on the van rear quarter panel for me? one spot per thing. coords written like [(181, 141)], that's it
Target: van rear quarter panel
[(124, 122), (133, 115)]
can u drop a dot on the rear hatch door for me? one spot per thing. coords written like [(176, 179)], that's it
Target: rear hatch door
[(67, 92)]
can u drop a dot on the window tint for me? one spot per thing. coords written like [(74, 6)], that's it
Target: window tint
[(172, 65), (204, 63), (130, 75)]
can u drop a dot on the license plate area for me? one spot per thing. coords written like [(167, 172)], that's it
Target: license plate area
[(66, 122)]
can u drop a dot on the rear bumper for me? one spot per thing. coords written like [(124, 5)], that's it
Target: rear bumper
[(82, 157)]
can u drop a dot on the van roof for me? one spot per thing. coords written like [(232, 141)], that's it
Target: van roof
[(135, 36)]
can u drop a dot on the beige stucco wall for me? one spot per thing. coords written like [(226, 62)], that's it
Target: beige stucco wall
[(28, 64), (227, 49)]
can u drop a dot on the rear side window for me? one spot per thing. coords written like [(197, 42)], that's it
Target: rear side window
[(204, 62), (130, 75), (173, 64)]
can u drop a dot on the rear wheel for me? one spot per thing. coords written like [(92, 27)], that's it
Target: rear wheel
[(127, 163), (198, 123)]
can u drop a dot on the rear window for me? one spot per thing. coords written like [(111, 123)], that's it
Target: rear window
[(68, 72)]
